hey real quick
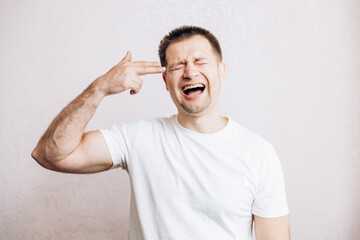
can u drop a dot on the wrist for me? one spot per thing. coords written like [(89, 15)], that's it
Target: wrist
[(96, 88)]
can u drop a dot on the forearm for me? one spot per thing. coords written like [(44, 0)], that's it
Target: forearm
[(66, 130), (64, 146)]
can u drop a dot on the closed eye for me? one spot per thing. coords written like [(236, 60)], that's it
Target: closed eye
[(177, 68), (200, 61)]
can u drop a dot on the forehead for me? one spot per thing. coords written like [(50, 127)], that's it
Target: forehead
[(193, 47)]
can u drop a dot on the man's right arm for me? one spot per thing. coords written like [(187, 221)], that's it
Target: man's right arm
[(64, 146)]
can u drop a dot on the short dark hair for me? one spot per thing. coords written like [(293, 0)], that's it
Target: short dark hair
[(185, 32)]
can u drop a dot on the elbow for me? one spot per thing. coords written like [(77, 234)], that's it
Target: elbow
[(34, 154), (41, 159), (37, 156)]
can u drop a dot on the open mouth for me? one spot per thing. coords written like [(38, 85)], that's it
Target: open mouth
[(193, 89)]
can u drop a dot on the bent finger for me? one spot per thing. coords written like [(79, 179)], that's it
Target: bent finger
[(135, 85)]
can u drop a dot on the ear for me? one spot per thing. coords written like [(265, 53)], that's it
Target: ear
[(222, 69), (164, 78)]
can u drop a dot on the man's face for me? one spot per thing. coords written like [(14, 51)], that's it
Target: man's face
[(193, 75)]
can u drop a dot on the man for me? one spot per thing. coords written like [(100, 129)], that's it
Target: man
[(194, 175)]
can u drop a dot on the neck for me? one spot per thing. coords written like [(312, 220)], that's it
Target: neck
[(209, 123)]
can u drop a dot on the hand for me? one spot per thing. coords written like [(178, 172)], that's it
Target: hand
[(125, 75)]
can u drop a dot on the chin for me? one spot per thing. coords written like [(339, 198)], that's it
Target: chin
[(193, 109)]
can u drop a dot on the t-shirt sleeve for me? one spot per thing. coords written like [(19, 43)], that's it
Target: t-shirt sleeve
[(116, 140), (270, 197)]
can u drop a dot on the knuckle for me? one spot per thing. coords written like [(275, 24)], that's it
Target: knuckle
[(127, 85), (129, 76), (139, 82)]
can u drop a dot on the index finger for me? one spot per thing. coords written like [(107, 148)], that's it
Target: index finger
[(145, 63), (142, 70)]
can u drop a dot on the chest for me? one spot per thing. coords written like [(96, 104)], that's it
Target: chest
[(201, 173)]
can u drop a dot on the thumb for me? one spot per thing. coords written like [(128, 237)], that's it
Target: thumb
[(127, 57)]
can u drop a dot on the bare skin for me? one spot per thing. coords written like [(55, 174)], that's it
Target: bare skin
[(193, 61), (272, 228), (64, 146)]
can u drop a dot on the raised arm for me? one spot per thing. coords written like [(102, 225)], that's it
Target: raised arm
[(64, 146)]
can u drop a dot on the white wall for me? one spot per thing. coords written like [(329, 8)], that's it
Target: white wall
[(293, 77)]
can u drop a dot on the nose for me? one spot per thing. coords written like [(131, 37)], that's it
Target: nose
[(190, 71)]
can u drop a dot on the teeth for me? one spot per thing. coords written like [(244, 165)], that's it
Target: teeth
[(193, 86)]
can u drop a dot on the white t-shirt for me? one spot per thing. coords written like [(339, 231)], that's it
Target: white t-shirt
[(187, 185)]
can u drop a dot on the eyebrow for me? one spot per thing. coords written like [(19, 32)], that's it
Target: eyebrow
[(183, 63), (199, 59)]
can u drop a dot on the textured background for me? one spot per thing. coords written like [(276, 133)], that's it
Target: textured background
[(293, 77)]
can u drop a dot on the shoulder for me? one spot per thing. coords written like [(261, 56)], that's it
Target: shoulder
[(259, 153), (249, 138), (255, 149), (143, 125)]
